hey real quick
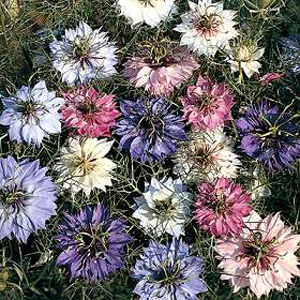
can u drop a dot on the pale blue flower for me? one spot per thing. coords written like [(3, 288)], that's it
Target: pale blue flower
[(31, 114)]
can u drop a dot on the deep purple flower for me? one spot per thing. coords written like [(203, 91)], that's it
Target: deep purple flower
[(168, 272), (27, 198), (149, 129), (92, 243), (269, 136), (291, 47)]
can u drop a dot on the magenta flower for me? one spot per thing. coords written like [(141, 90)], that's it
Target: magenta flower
[(160, 68), (270, 77), (221, 206), (207, 105), (261, 257), (89, 112)]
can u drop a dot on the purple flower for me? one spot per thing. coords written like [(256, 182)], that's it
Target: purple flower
[(168, 272), (92, 243), (269, 136), (291, 47), (27, 198), (149, 129)]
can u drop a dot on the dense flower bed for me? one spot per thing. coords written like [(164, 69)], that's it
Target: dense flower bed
[(149, 149)]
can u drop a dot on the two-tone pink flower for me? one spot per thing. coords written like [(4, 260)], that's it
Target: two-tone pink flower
[(261, 257), (220, 207), (207, 105), (160, 68), (89, 112)]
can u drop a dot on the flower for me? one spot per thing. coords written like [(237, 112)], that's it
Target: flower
[(221, 206), (207, 105), (206, 156), (262, 257), (92, 243), (270, 77), (207, 27), (245, 57), (31, 114), (82, 165), (27, 198), (160, 67), (84, 54), (168, 272), (291, 48), (151, 12), (269, 136), (164, 207), (149, 129), (89, 112)]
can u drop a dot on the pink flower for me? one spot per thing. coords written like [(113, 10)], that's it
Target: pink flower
[(207, 105), (262, 257), (270, 77), (221, 206), (160, 68), (89, 112)]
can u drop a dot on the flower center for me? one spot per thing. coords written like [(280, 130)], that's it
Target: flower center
[(207, 24), (150, 124), (80, 50), (146, 2), (88, 107), (202, 158), (28, 108), (167, 273), (205, 104), (94, 240), (165, 207), (217, 203), (11, 198), (85, 163), (258, 250), (245, 54)]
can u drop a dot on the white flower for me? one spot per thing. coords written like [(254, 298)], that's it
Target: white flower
[(82, 164), (152, 12), (207, 27), (206, 156), (164, 207), (31, 114), (83, 54), (245, 58)]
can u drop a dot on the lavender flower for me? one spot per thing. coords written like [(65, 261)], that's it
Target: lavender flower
[(31, 114), (168, 272), (291, 47), (149, 129), (27, 198), (92, 243), (269, 136)]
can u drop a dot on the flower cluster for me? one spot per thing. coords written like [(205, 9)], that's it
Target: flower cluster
[(143, 187)]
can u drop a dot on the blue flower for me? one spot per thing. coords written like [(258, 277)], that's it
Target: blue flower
[(269, 136), (31, 114), (291, 47), (27, 198), (92, 243), (168, 272), (149, 129)]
